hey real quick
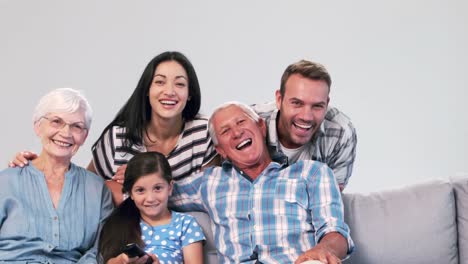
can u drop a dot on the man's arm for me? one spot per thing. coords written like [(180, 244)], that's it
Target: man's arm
[(187, 193), (343, 155), (335, 243), (326, 206)]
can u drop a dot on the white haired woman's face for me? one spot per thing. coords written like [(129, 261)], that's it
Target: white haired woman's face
[(62, 134)]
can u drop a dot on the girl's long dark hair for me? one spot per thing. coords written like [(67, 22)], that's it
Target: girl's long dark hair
[(121, 228), (123, 225), (136, 112)]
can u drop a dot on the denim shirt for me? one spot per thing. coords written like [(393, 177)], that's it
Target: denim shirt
[(33, 231)]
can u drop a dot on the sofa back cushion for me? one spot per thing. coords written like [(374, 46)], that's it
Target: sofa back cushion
[(416, 224)]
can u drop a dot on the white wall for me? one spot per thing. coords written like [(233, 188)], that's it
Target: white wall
[(399, 68)]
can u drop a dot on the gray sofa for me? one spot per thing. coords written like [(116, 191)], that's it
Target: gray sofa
[(423, 223)]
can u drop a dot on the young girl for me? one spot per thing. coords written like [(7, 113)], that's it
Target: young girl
[(144, 218)]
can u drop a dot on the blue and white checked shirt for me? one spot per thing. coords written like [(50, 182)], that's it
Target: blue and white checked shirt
[(273, 219)]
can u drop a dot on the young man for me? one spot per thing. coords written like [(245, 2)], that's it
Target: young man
[(263, 211), (303, 126)]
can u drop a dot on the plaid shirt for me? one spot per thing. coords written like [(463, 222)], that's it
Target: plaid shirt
[(334, 143), (274, 218)]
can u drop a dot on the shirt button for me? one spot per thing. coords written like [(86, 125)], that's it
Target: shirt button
[(55, 218), (255, 227), (55, 235)]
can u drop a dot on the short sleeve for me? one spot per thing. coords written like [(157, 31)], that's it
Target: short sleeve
[(191, 231)]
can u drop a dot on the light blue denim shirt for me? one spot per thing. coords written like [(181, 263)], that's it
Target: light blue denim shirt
[(33, 231)]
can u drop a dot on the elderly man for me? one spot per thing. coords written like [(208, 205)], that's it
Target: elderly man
[(302, 125), (263, 211)]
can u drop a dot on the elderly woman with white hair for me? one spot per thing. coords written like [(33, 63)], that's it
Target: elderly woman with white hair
[(51, 211)]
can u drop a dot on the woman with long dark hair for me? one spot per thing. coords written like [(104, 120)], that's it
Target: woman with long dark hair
[(161, 115)]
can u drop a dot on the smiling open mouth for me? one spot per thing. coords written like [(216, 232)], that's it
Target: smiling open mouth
[(151, 205), (303, 126), (244, 144), (168, 102), (61, 143)]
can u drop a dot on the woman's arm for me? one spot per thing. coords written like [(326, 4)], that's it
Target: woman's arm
[(91, 167), (115, 186), (193, 253)]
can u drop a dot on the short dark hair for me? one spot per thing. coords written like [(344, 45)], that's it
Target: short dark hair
[(136, 112), (307, 69)]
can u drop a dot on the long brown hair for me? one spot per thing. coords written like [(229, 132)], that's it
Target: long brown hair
[(123, 225)]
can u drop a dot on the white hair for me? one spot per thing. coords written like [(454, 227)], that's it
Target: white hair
[(245, 108), (63, 100)]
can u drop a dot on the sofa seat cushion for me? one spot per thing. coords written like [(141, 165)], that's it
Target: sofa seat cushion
[(416, 224)]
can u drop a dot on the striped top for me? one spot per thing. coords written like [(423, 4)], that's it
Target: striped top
[(334, 143), (193, 150), (275, 218)]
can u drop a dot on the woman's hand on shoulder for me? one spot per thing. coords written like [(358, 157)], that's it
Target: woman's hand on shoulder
[(21, 159), (120, 174)]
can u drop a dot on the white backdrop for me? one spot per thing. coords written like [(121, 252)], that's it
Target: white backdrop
[(399, 68)]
